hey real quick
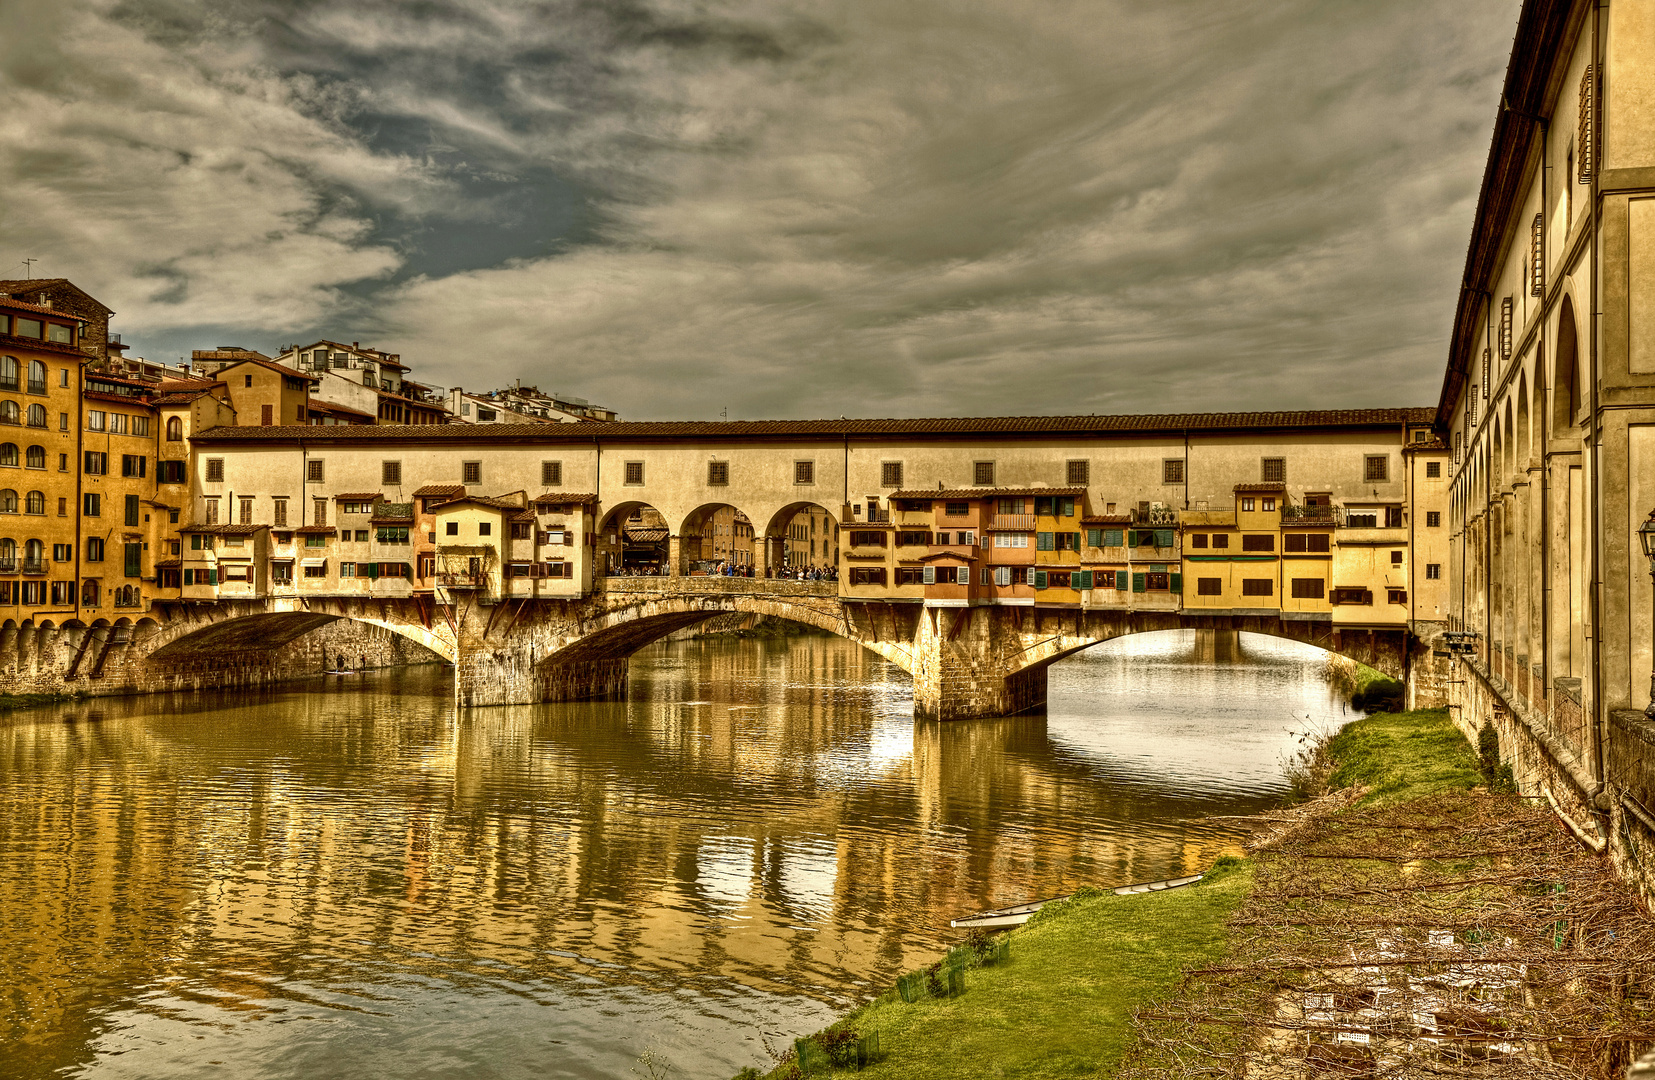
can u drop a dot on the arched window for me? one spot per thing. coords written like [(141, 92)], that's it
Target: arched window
[(89, 594), (8, 555), (37, 416), (8, 373), (34, 502), (36, 458), (8, 501), (175, 429), (8, 455), (37, 377), (10, 413), (126, 596), (34, 552)]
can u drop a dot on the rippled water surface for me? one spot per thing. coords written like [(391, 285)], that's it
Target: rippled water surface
[(348, 880)]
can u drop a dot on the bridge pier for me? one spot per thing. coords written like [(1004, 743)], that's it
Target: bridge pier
[(509, 676), (968, 665)]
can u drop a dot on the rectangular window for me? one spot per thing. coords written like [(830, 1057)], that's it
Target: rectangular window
[(319, 511), (215, 470), (1433, 571), (132, 510), (914, 539), (134, 465), (97, 463), (982, 473), (1506, 306), (1011, 540), (1393, 517), (1433, 470), (634, 472), (94, 420), (117, 423), (91, 505), (1198, 540), (867, 575), (1261, 586), (1172, 471), (1396, 596), (1078, 473), (471, 472), (1247, 505), (318, 571), (134, 560), (956, 509), (551, 474), (390, 473), (1258, 543), (1352, 596), (210, 517), (1221, 540), (1312, 588), (1114, 537), (1209, 586), (1376, 468), (890, 474), (245, 514), (1273, 470), (804, 472), (718, 473), (267, 415), (1433, 519), (314, 473), (278, 511), (1396, 558), (867, 539)]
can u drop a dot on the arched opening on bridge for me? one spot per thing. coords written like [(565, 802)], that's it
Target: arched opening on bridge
[(1524, 438), (802, 537), (634, 540), (298, 642), (718, 538)]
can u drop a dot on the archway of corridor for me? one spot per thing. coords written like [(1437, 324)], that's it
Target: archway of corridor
[(718, 534), (801, 536), (634, 539)]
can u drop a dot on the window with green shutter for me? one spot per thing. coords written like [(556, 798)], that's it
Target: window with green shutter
[(1120, 580), (1178, 583), (1163, 538), (1068, 507), (373, 570), (1132, 538), (132, 509), (1043, 541), (1083, 579), (189, 577), (134, 559), (212, 576), (1041, 579), (1111, 538), (1139, 583), (1094, 537)]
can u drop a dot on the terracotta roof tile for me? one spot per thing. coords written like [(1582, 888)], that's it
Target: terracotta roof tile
[(574, 498), (1261, 488), (961, 426), (986, 493), (433, 490), (1107, 519), (23, 305), (315, 530), (359, 496)]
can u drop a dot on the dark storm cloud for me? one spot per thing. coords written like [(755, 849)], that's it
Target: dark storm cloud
[(788, 209)]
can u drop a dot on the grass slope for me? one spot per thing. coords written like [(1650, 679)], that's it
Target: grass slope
[(1060, 1006), (1402, 756)]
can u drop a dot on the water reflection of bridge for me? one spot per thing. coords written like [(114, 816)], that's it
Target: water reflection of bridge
[(669, 838)]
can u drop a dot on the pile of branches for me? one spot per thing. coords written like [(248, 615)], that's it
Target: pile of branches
[(1462, 935)]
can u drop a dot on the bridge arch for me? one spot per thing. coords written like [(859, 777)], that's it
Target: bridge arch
[(263, 631), (634, 537), (716, 531), (805, 514)]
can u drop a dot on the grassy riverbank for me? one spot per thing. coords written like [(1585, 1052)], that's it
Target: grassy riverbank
[(1062, 1005), (8, 702)]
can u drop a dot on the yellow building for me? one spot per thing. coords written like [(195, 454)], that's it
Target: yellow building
[(118, 533), (40, 385)]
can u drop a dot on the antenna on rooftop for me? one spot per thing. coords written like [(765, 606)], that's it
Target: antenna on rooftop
[(28, 267), (724, 412)]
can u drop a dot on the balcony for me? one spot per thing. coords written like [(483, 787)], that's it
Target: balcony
[(1013, 522), (37, 387), (8, 566), (9, 384), (36, 567), (463, 580), (1308, 515)]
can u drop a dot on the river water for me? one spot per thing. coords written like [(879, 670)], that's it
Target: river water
[(346, 880)]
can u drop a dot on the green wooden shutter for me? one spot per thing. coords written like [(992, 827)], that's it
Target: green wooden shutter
[(1138, 583), (212, 576), (928, 575), (1043, 541), (132, 509), (1163, 538), (373, 570), (1094, 537), (134, 559), (1132, 538), (1040, 579), (1085, 580), (189, 577), (1111, 538), (1068, 508), (1120, 580), (1178, 583), (195, 541)]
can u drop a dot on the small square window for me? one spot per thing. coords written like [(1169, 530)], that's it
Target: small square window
[(890, 474), (1376, 468), (804, 472), (634, 472), (718, 473), (471, 472), (1396, 558), (314, 471), (1078, 473), (1433, 519), (390, 473), (1273, 470), (1433, 470), (982, 473), (1433, 571), (1247, 504), (1172, 471), (215, 470), (451, 528), (485, 528), (551, 473)]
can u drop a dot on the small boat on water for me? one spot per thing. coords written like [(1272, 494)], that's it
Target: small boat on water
[(1019, 914), (347, 671)]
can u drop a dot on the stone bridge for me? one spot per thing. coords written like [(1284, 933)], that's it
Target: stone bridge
[(979, 661)]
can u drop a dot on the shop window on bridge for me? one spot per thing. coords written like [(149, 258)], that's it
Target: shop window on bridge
[(427, 565), (1258, 587), (1002, 576), (915, 575), (1159, 581), (1011, 540), (867, 538), (560, 569), (388, 534), (1058, 579), (867, 575), (1258, 543), (914, 539), (1359, 597), (1302, 543), (1209, 586), (1396, 596), (1308, 588)]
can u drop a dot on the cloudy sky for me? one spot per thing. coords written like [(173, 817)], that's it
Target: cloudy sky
[(781, 208)]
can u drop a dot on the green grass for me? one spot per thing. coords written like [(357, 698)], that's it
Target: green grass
[(1402, 756), (1060, 1006), (25, 701)]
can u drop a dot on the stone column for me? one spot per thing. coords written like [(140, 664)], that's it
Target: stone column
[(675, 556), (973, 672)]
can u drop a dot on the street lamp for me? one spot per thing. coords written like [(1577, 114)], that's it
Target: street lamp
[(1646, 536)]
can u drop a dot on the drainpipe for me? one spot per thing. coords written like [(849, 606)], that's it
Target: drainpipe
[(1594, 434)]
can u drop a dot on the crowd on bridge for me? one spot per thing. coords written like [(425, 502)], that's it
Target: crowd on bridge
[(733, 569)]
